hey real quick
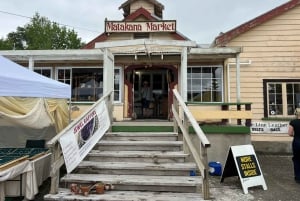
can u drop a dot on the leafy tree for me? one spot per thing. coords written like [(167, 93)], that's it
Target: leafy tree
[(41, 34)]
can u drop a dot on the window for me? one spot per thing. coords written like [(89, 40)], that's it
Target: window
[(87, 82), (64, 75), (275, 99), (205, 84), (47, 72), (282, 97), (117, 85)]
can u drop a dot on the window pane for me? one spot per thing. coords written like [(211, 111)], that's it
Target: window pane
[(87, 83), (278, 88), (205, 83), (44, 71), (117, 85)]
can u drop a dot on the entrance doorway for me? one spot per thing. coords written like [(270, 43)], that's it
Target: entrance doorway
[(160, 81)]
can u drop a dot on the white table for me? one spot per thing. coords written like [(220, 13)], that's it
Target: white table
[(30, 173)]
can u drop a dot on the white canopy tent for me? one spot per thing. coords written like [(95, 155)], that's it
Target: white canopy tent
[(32, 106), (15, 80)]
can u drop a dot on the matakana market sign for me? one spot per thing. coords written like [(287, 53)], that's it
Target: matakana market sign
[(155, 26)]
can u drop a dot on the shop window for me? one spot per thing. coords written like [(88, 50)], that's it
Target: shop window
[(282, 97), (47, 72), (205, 84), (87, 83)]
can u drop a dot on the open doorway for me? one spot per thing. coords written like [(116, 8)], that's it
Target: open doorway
[(160, 83)]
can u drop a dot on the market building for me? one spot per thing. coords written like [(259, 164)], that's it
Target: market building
[(247, 77), (143, 47), (252, 67)]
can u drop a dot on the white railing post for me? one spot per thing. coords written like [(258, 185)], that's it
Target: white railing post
[(182, 117)]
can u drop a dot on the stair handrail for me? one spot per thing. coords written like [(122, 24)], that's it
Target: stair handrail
[(57, 159), (183, 118)]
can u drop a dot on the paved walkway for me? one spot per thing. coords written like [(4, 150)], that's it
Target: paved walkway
[(278, 174)]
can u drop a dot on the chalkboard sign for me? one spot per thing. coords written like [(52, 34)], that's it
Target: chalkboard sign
[(242, 161)]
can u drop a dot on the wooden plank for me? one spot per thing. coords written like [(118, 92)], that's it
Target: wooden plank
[(144, 143), (135, 179), (158, 154), (65, 194), (137, 166), (203, 114)]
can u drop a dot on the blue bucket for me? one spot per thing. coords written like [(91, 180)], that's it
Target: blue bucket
[(215, 168)]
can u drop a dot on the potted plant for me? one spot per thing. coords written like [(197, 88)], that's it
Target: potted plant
[(99, 186)]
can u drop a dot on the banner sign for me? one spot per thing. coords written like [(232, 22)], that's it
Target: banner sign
[(138, 26), (82, 136), (269, 127), (242, 161)]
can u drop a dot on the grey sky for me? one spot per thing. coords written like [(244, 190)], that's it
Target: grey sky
[(199, 20)]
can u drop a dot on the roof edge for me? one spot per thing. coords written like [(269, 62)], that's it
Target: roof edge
[(224, 38)]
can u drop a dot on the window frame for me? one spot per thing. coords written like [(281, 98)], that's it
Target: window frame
[(44, 68), (284, 100), (84, 67), (211, 79)]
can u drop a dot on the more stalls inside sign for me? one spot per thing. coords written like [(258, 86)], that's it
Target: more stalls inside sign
[(242, 161)]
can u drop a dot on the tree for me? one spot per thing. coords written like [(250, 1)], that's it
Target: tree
[(41, 34)]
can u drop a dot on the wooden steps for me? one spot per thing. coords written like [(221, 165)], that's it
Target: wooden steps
[(137, 156), (141, 166), (139, 145), (126, 196), (137, 168), (146, 136), (187, 184)]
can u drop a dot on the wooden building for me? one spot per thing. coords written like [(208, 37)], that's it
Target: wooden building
[(141, 47), (270, 66)]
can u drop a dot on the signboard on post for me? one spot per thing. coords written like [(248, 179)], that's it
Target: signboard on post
[(242, 161)]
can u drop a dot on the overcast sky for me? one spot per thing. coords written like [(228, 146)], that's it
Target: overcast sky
[(199, 20)]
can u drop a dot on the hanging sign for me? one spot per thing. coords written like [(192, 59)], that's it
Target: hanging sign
[(139, 26), (242, 161)]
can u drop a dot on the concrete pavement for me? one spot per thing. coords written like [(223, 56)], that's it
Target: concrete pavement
[(278, 174)]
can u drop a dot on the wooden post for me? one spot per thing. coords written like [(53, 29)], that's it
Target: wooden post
[(239, 121), (248, 121), (205, 184)]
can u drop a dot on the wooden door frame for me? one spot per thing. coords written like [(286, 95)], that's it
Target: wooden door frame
[(130, 85)]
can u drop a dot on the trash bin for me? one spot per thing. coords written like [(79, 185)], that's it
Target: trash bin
[(215, 168)]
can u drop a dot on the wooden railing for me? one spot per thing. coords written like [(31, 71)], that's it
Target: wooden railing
[(183, 118), (57, 160), (223, 112)]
